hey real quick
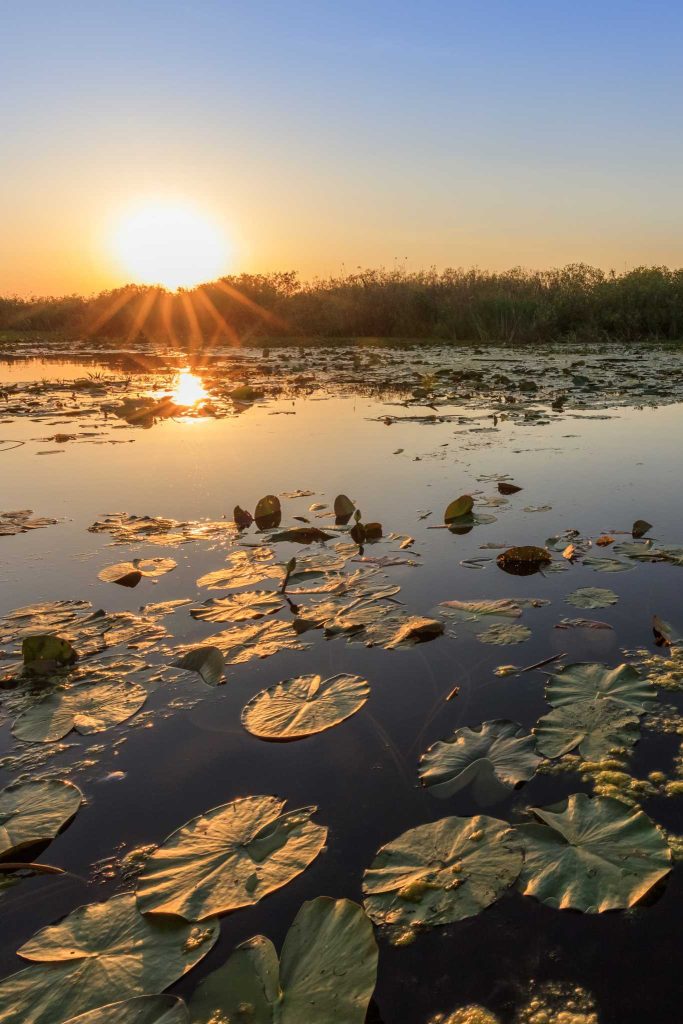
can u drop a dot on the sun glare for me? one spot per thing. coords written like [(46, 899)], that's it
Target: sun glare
[(171, 245), (188, 389)]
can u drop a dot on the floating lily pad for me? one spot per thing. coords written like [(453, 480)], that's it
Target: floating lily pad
[(206, 661), (249, 604), (592, 597), (443, 871), (326, 973), (230, 857), (129, 574), (100, 950), (87, 709), (596, 727), (593, 680), (497, 748), (35, 812), (303, 706), (592, 854), (140, 1010)]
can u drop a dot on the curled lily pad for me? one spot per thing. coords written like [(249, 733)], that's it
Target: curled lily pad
[(100, 950), (597, 727), (230, 857), (139, 1010), (499, 749), (592, 597), (326, 973), (44, 653), (523, 561), (462, 506), (441, 872), (592, 854), (87, 709), (129, 574), (206, 661), (593, 681), (249, 604), (303, 706), (35, 812), (268, 512)]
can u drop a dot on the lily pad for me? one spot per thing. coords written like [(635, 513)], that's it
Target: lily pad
[(592, 854), (303, 706), (326, 973), (498, 748), (593, 680), (597, 727), (206, 661), (242, 607), (139, 1010), (35, 812), (230, 857), (592, 597), (443, 871), (99, 950), (87, 709)]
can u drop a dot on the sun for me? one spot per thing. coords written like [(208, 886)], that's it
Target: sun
[(169, 244)]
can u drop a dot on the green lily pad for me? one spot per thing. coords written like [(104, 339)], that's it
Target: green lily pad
[(87, 709), (206, 661), (597, 727), (443, 871), (139, 1010), (44, 653), (592, 597), (594, 681), (230, 857), (239, 607), (498, 749), (592, 854), (35, 812), (97, 951), (326, 973), (303, 706)]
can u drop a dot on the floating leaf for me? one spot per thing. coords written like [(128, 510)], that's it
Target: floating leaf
[(327, 972), (592, 597), (640, 528), (593, 680), (499, 749), (268, 513), (591, 854), (140, 1010), (523, 561), (44, 653), (230, 857), (87, 709), (462, 506), (303, 706), (100, 950), (206, 661), (129, 574), (35, 812), (239, 607), (443, 871), (597, 727)]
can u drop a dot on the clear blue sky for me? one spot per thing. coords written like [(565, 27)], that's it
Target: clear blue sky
[(322, 135)]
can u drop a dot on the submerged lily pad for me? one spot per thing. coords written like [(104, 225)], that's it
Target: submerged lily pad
[(498, 748), (303, 706), (326, 973), (593, 680), (597, 727), (592, 854), (100, 950), (87, 709), (139, 1010), (230, 857), (592, 597), (35, 812), (443, 871)]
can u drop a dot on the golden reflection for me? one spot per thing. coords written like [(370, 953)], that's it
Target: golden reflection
[(188, 388)]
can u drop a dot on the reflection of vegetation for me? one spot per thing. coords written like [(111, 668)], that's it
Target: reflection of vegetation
[(574, 302)]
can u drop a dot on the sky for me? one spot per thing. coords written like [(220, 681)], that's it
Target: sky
[(323, 136)]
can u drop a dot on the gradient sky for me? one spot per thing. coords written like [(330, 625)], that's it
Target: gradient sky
[(322, 136)]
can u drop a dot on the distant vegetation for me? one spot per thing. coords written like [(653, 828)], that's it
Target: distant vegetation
[(577, 303)]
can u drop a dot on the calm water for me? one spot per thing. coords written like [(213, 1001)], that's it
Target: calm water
[(597, 471)]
